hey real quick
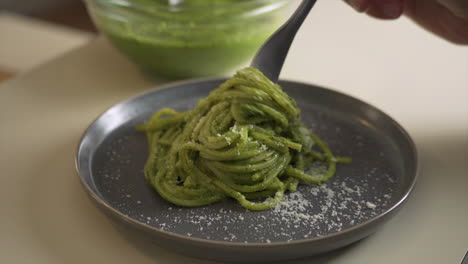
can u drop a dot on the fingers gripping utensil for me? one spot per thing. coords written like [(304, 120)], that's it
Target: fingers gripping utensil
[(270, 58)]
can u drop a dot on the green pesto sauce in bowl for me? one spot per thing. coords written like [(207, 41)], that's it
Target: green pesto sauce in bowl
[(192, 39)]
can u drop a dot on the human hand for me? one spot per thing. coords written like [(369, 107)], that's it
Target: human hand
[(446, 18)]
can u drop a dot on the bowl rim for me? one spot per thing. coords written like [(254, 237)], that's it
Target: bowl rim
[(141, 6)]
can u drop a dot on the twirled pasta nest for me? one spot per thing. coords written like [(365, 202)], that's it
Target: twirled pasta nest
[(245, 141)]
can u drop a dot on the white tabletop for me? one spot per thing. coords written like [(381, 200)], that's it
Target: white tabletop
[(418, 79)]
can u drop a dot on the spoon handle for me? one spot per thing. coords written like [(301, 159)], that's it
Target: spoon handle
[(270, 57)]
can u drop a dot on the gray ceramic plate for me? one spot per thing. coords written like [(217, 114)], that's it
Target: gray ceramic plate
[(315, 219)]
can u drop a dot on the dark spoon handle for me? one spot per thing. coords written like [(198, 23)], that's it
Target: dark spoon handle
[(271, 56)]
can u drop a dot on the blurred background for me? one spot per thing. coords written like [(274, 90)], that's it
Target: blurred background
[(28, 27), (160, 41), (71, 13)]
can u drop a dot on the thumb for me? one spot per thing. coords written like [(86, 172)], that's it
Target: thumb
[(383, 9)]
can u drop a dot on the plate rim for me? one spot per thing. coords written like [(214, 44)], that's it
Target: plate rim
[(203, 241)]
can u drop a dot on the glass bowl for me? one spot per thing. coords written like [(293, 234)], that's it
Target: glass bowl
[(188, 38)]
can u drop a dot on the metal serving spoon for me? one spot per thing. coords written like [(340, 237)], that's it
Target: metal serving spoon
[(270, 58)]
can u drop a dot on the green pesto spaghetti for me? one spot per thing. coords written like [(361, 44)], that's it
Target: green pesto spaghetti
[(245, 141)]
